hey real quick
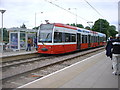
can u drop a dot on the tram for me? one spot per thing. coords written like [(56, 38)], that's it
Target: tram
[(57, 38)]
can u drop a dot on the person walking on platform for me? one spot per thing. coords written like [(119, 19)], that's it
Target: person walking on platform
[(113, 51), (109, 47), (28, 45), (110, 38)]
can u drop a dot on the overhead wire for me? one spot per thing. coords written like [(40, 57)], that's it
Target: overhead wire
[(65, 10), (93, 8)]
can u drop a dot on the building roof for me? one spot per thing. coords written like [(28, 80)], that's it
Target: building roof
[(21, 30)]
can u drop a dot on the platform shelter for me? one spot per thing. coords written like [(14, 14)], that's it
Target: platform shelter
[(18, 37)]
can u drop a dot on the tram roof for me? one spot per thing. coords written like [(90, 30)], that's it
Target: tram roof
[(101, 34), (76, 28), (65, 26)]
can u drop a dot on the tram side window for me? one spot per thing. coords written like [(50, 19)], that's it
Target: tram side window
[(98, 39), (95, 39), (82, 38), (101, 39), (104, 38), (72, 38), (57, 37), (67, 37), (89, 39), (85, 38), (92, 39)]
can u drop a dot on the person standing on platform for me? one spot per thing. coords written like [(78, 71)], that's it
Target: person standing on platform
[(35, 42), (28, 45), (113, 51)]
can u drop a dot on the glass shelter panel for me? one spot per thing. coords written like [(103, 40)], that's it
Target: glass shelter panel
[(22, 40), (14, 40)]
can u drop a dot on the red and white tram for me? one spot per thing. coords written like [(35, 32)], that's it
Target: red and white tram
[(59, 38)]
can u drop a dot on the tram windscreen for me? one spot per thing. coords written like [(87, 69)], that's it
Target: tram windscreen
[(45, 33)]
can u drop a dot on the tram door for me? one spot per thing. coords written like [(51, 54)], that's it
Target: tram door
[(78, 40), (98, 40), (89, 38)]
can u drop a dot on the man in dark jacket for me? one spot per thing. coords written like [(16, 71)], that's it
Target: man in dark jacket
[(108, 49), (113, 51)]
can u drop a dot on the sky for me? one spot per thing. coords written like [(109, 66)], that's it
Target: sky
[(25, 11)]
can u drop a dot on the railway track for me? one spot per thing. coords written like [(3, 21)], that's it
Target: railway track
[(15, 75), (18, 57), (23, 61), (22, 66)]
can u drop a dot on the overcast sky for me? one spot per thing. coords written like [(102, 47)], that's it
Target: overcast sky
[(23, 11)]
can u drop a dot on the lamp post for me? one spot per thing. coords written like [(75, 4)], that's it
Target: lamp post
[(119, 28), (75, 14), (35, 17), (2, 11), (119, 17)]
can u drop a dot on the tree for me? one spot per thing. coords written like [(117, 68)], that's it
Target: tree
[(87, 27), (78, 25), (23, 26), (102, 25), (5, 35), (112, 30), (36, 27), (73, 24)]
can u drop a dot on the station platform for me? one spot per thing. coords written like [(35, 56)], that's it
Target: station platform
[(15, 53), (93, 72)]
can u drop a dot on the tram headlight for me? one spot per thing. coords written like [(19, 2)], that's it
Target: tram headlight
[(44, 49)]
